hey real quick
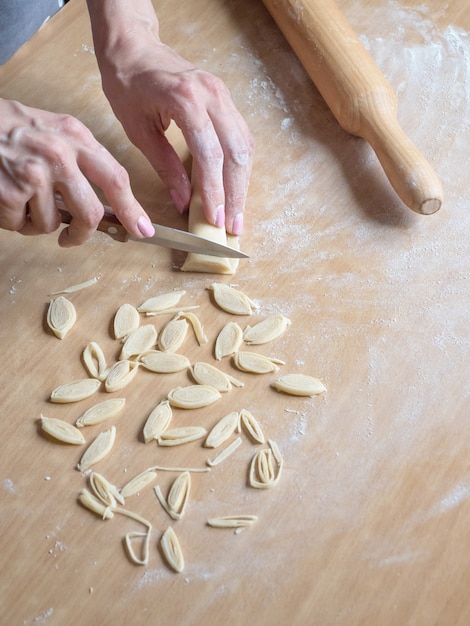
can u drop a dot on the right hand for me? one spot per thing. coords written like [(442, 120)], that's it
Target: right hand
[(43, 153)]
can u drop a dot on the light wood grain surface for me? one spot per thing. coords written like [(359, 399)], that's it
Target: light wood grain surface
[(369, 524)]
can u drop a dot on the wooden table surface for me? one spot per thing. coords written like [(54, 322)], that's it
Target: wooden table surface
[(369, 524)]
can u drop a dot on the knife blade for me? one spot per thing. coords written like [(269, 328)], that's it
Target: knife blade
[(164, 235)]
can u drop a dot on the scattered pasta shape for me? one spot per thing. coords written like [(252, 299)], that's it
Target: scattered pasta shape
[(139, 482), (172, 550), (232, 300), (61, 431), (266, 467), (140, 340), (158, 421), (95, 361), (222, 431), (176, 501), (75, 391), (267, 330), (61, 316), (101, 412), (161, 302), (193, 396), (99, 448), (299, 385), (164, 362), (126, 320), (142, 346), (120, 375), (173, 334)]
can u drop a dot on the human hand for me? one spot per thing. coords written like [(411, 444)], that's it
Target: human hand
[(148, 84), (43, 153)]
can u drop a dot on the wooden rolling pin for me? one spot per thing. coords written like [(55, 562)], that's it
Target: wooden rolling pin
[(357, 93)]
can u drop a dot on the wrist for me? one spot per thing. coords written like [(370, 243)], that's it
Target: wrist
[(117, 24)]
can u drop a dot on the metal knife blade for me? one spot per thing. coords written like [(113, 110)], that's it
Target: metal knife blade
[(164, 235)]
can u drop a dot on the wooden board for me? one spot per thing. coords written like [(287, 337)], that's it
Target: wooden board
[(369, 524)]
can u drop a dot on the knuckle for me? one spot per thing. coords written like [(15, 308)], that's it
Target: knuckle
[(90, 218), (214, 85), (120, 178), (32, 173), (241, 156), (71, 126)]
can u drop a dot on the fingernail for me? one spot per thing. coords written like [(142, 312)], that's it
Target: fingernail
[(237, 227), (145, 226), (177, 201), (220, 216)]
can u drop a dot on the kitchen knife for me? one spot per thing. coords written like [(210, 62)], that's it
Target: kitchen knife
[(164, 235)]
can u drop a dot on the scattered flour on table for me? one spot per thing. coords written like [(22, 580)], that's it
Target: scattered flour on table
[(87, 48), (42, 618), (9, 485)]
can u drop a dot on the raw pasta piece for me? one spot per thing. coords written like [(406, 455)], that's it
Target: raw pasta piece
[(255, 363), (75, 391), (139, 482), (132, 536), (140, 340), (196, 470), (158, 421), (225, 453), (77, 287), (180, 309), (120, 375), (265, 468), (251, 425), (172, 550), (164, 362), (232, 300), (299, 385), (179, 436), (126, 320), (104, 490), (222, 431), (232, 521), (62, 431), (98, 449), (172, 335), (178, 494), (144, 537), (193, 396), (94, 504), (161, 302), (196, 325), (61, 316), (267, 330), (228, 340), (95, 361), (101, 412), (207, 374)]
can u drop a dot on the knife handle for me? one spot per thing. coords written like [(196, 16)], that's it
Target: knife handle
[(109, 224)]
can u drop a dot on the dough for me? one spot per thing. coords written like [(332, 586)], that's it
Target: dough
[(198, 225)]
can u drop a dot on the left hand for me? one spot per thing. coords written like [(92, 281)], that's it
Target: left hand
[(148, 85)]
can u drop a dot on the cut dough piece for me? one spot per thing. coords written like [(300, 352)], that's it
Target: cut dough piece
[(198, 225)]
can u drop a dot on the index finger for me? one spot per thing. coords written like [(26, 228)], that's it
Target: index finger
[(102, 169)]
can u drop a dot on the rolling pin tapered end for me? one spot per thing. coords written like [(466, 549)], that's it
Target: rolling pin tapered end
[(430, 206)]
